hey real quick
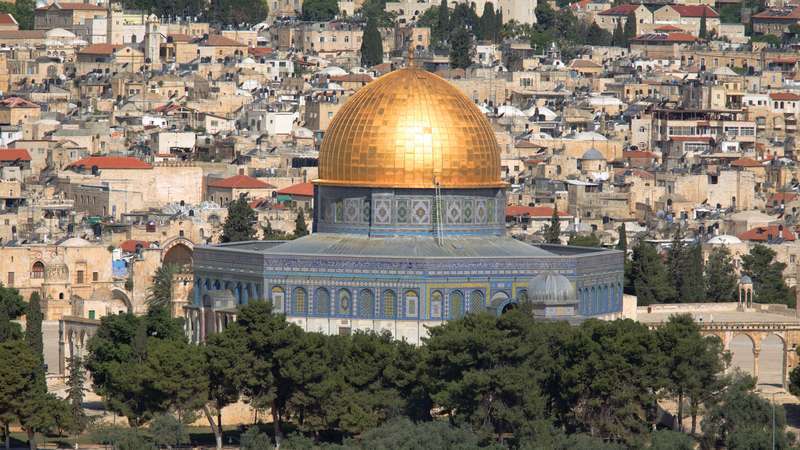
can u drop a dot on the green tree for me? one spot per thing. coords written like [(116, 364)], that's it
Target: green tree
[(300, 227), (461, 50), (685, 268), (694, 364), (270, 234), (671, 440), (441, 30), (437, 434), (11, 307), (255, 439), (76, 380), (597, 36), (23, 12), (720, 276), (159, 294), (223, 359), (767, 274), (743, 419), (235, 12), (552, 231), (794, 381), (584, 240), (320, 10), (649, 276), (239, 225), (703, 33), (622, 243), (175, 372), (168, 431), (488, 24), (618, 36), (18, 379), (629, 32), (371, 45)]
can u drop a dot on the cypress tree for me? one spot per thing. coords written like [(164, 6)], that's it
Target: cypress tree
[(33, 328), (442, 29), (622, 244), (617, 37), (703, 30), (630, 30), (487, 26), (649, 276), (239, 224), (720, 277), (300, 227), (75, 389), (371, 45), (461, 49), (552, 231)]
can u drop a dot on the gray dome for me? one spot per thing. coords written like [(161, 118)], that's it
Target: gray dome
[(593, 154), (745, 280), (551, 288)]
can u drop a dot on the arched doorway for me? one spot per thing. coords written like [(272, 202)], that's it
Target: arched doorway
[(742, 357), (179, 254), (771, 361)]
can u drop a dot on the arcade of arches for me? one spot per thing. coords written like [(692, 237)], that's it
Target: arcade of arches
[(763, 350)]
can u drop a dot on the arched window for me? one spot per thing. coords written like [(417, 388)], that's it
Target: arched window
[(37, 271), (278, 296), (476, 303), (411, 303), (389, 304), (522, 295), (456, 305), (322, 302), (344, 304), (366, 304), (436, 304), (299, 301)]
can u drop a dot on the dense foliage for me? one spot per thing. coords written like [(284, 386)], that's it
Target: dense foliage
[(240, 223), (480, 381)]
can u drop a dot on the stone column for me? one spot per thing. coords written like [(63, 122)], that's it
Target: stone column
[(756, 352)]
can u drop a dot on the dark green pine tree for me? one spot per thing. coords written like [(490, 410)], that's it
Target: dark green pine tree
[(487, 26), (703, 33), (622, 243), (461, 49), (11, 307), (693, 289), (767, 275), (240, 224), (629, 32), (76, 381), (720, 276), (552, 231), (649, 277), (618, 36), (597, 36), (300, 226), (33, 328), (371, 45), (441, 30)]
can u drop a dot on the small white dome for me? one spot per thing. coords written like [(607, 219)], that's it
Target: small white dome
[(75, 242), (724, 239)]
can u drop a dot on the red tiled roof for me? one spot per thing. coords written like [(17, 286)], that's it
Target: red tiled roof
[(745, 162), (73, 6), (763, 233), (16, 102), (239, 182), (667, 28), (778, 14), (110, 162), (179, 37), (642, 174), (695, 11), (532, 211), (260, 51), (783, 60), (790, 96), (217, 40), (7, 19), (621, 10), (129, 246), (14, 154), (300, 190), (99, 49)]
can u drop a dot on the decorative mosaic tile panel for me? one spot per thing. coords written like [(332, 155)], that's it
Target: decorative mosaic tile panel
[(480, 211), (468, 211), (421, 212), (491, 210), (339, 211), (453, 211), (365, 210), (352, 210), (383, 212), (403, 211)]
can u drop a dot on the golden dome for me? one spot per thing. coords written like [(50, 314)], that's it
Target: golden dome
[(409, 129)]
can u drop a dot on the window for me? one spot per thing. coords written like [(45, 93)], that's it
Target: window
[(456, 305), (80, 277), (95, 276), (37, 271), (344, 302), (476, 303), (436, 305), (277, 299), (322, 302), (299, 301), (366, 304), (411, 300), (91, 314), (10, 279), (389, 306)]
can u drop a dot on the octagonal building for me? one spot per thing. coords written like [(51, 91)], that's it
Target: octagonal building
[(408, 230)]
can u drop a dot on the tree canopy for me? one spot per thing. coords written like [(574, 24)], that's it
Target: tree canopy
[(240, 223)]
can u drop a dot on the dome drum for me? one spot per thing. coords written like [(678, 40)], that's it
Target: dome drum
[(393, 212)]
